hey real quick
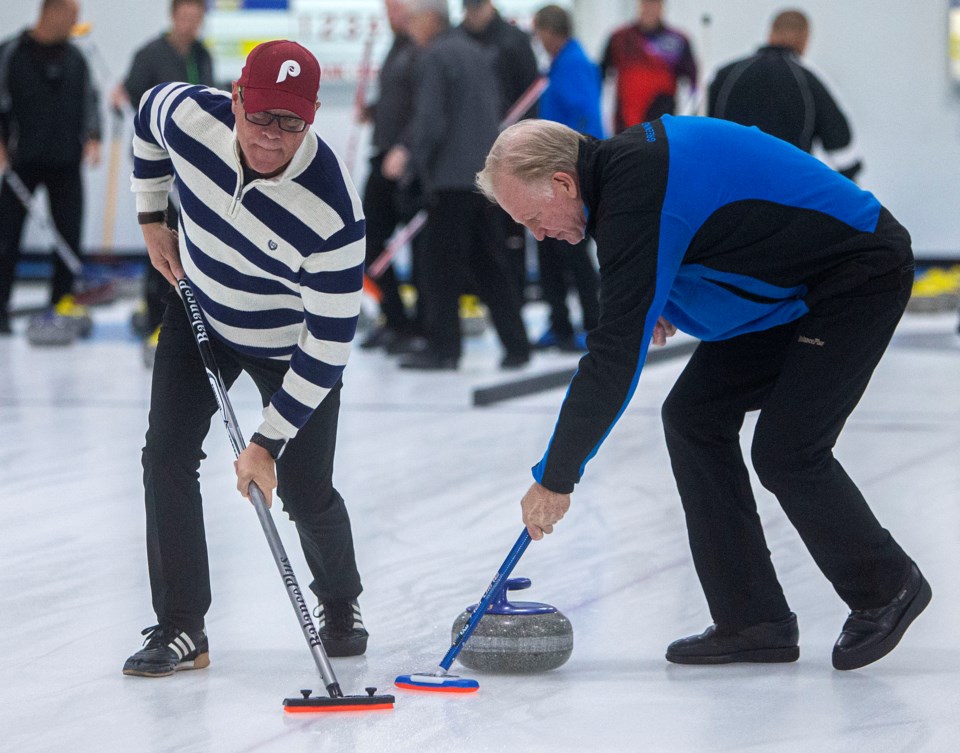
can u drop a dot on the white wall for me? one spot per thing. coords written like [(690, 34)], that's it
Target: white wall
[(887, 60)]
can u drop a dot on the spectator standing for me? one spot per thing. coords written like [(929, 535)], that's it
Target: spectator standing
[(387, 201), (649, 58), (49, 125), (456, 120), (176, 55), (516, 68), (773, 90), (572, 98)]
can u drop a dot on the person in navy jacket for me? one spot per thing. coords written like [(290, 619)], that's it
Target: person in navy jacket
[(794, 280)]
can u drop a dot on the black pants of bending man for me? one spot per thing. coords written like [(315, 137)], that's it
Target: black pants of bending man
[(65, 195), (463, 243), (181, 406), (805, 378)]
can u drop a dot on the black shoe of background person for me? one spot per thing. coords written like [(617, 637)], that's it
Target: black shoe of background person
[(407, 344), (429, 360), (515, 360), (871, 634), (5, 328), (767, 642), (379, 337)]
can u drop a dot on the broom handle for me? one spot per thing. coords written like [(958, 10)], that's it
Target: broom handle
[(195, 316), (495, 585)]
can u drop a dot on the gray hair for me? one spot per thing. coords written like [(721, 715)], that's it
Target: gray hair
[(531, 151), (440, 7)]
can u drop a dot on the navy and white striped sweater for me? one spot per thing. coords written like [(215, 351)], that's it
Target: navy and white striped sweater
[(277, 264)]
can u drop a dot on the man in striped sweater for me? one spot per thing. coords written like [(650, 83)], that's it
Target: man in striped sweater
[(271, 238)]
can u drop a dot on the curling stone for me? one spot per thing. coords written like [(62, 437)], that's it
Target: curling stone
[(76, 314), (520, 636), (50, 329), (473, 316)]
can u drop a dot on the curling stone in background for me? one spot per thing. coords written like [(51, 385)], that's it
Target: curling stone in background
[(49, 329), (473, 316), (76, 314), (518, 636)]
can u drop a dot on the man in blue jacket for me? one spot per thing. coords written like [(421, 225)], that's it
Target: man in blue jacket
[(572, 98), (794, 280)]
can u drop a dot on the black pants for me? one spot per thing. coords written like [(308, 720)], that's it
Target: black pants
[(181, 406), (805, 378), (383, 209), (65, 195), (461, 241), (560, 263)]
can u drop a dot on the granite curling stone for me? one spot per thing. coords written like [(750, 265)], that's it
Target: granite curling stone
[(50, 329), (516, 636)]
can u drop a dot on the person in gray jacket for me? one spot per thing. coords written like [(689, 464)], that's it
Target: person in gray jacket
[(455, 123)]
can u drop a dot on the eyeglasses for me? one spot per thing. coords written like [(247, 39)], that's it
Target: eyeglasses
[(288, 123)]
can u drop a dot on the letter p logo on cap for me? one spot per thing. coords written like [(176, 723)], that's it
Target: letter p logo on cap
[(289, 68)]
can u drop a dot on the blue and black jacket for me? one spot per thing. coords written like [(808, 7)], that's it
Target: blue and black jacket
[(721, 229)]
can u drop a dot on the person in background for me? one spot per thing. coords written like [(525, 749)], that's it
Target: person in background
[(516, 68), (272, 242), (49, 125), (794, 280), (176, 55), (572, 98), (386, 200), (456, 119), (773, 90), (648, 58)]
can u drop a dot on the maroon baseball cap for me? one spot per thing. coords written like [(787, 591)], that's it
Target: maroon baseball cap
[(281, 75)]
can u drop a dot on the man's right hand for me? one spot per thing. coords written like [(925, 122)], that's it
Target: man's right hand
[(3, 158), (163, 246)]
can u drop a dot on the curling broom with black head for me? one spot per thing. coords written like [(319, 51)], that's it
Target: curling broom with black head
[(336, 700)]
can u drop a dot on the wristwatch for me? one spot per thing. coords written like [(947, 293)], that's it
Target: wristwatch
[(273, 446)]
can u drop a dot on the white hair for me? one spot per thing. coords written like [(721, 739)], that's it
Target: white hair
[(532, 151)]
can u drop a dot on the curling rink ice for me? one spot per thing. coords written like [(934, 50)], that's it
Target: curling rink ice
[(432, 485)]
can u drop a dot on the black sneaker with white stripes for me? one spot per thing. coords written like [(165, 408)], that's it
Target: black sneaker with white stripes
[(340, 627), (166, 650)]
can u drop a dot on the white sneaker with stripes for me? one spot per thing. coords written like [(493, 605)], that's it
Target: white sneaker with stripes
[(166, 650), (340, 627)]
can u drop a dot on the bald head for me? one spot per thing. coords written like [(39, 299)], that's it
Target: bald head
[(790, 28)]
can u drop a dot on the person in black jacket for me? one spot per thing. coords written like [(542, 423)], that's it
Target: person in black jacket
[(773, 90), (388, 201), (455, 122), (794, 279), (49, 124), (516, 67), (176, 55)]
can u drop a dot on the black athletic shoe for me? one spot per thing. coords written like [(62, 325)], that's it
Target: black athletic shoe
[(168, 649), (5, 328), (341, 628), (767, 642), (871, 634)]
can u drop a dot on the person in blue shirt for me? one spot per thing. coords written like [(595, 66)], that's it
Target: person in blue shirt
[(572, 98), (794, 280)]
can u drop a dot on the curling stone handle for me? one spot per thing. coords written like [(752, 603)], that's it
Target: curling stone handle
[(499, 602)]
